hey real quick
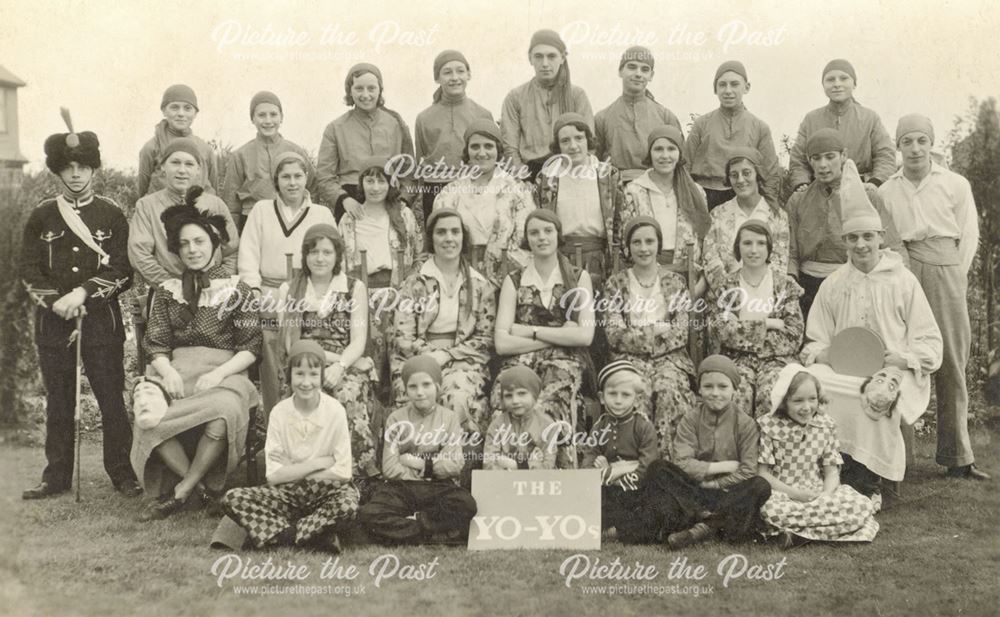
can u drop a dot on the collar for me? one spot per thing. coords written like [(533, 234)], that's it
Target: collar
[(337, 284), (634, 98), (318, 417), (363, 115), (646, 182), (732, 114), (714, 419), (547, 87), (173, 197), (766, 283), (270, 140), (839, 110), (324, 306), (592, 169), (888, 260), (473, 273), (174, 132), (619, 420), (78, 201), (430, 268), (830, 189), (306, 201), (523, 421), (449, 101), (783, 428), (935, 169), (761, 211), (413, 411), (531, 278)]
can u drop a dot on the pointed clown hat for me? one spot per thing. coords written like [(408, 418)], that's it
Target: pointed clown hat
[(856, 210)]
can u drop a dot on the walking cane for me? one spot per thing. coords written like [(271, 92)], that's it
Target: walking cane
[(77, 412)]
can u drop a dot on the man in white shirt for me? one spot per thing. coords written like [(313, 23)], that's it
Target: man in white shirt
[(934, 210)]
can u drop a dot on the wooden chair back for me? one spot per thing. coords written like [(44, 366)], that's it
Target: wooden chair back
[(688, 269)]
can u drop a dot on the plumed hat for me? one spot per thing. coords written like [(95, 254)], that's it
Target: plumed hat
[(61, 149)]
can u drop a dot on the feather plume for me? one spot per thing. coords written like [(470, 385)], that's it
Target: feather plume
[(72, 140)]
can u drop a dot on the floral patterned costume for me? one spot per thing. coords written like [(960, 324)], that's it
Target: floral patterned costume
[(465, 375), (797, 455), (561, 369), (638, 201), (661, 356), (759, 353), (381, 317), (610, 194), (512, 201), (726, 219)]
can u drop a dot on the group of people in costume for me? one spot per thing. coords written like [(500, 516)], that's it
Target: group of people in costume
[(549, 279)]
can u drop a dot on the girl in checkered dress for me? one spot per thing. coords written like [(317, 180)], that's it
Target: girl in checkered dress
[(799, 456), (309, 492)]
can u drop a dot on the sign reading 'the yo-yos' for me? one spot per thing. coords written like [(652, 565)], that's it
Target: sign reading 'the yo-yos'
[(536, 509)]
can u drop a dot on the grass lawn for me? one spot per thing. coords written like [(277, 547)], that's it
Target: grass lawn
[(938, 554)]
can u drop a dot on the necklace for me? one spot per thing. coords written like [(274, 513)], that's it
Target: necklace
[(450, 283), (754, 285), (450, 288), (649, 285)]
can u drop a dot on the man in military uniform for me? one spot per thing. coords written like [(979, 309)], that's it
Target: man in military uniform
[(74, 262)]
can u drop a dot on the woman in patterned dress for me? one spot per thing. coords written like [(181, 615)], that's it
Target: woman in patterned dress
[(493, 203), (755, 317), (201, 337), (667, 193), (545, 321), (387, 231), (744, 175), (799, 457), (386, 228), (647, 324), (324, 304), (448, 310)]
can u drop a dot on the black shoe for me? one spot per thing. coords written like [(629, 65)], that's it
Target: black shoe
[(211, 501), (970, 472), (285, 537), (128, 488), (453, 537), (163, 507), (43, 490), (327, 541), (699, 533)]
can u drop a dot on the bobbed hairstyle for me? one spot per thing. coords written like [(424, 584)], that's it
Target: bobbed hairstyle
[(758, 227)]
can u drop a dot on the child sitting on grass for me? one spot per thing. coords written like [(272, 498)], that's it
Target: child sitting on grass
[(309, 492), (800, 459), (520, 436), (711, 488), (422, 460), (622, 442)]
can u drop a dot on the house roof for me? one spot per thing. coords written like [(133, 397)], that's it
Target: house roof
[(9, 79)]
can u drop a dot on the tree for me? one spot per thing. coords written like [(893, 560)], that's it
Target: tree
[(977, 157)]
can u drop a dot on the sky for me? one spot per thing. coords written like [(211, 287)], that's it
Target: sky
[(109, 62)]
